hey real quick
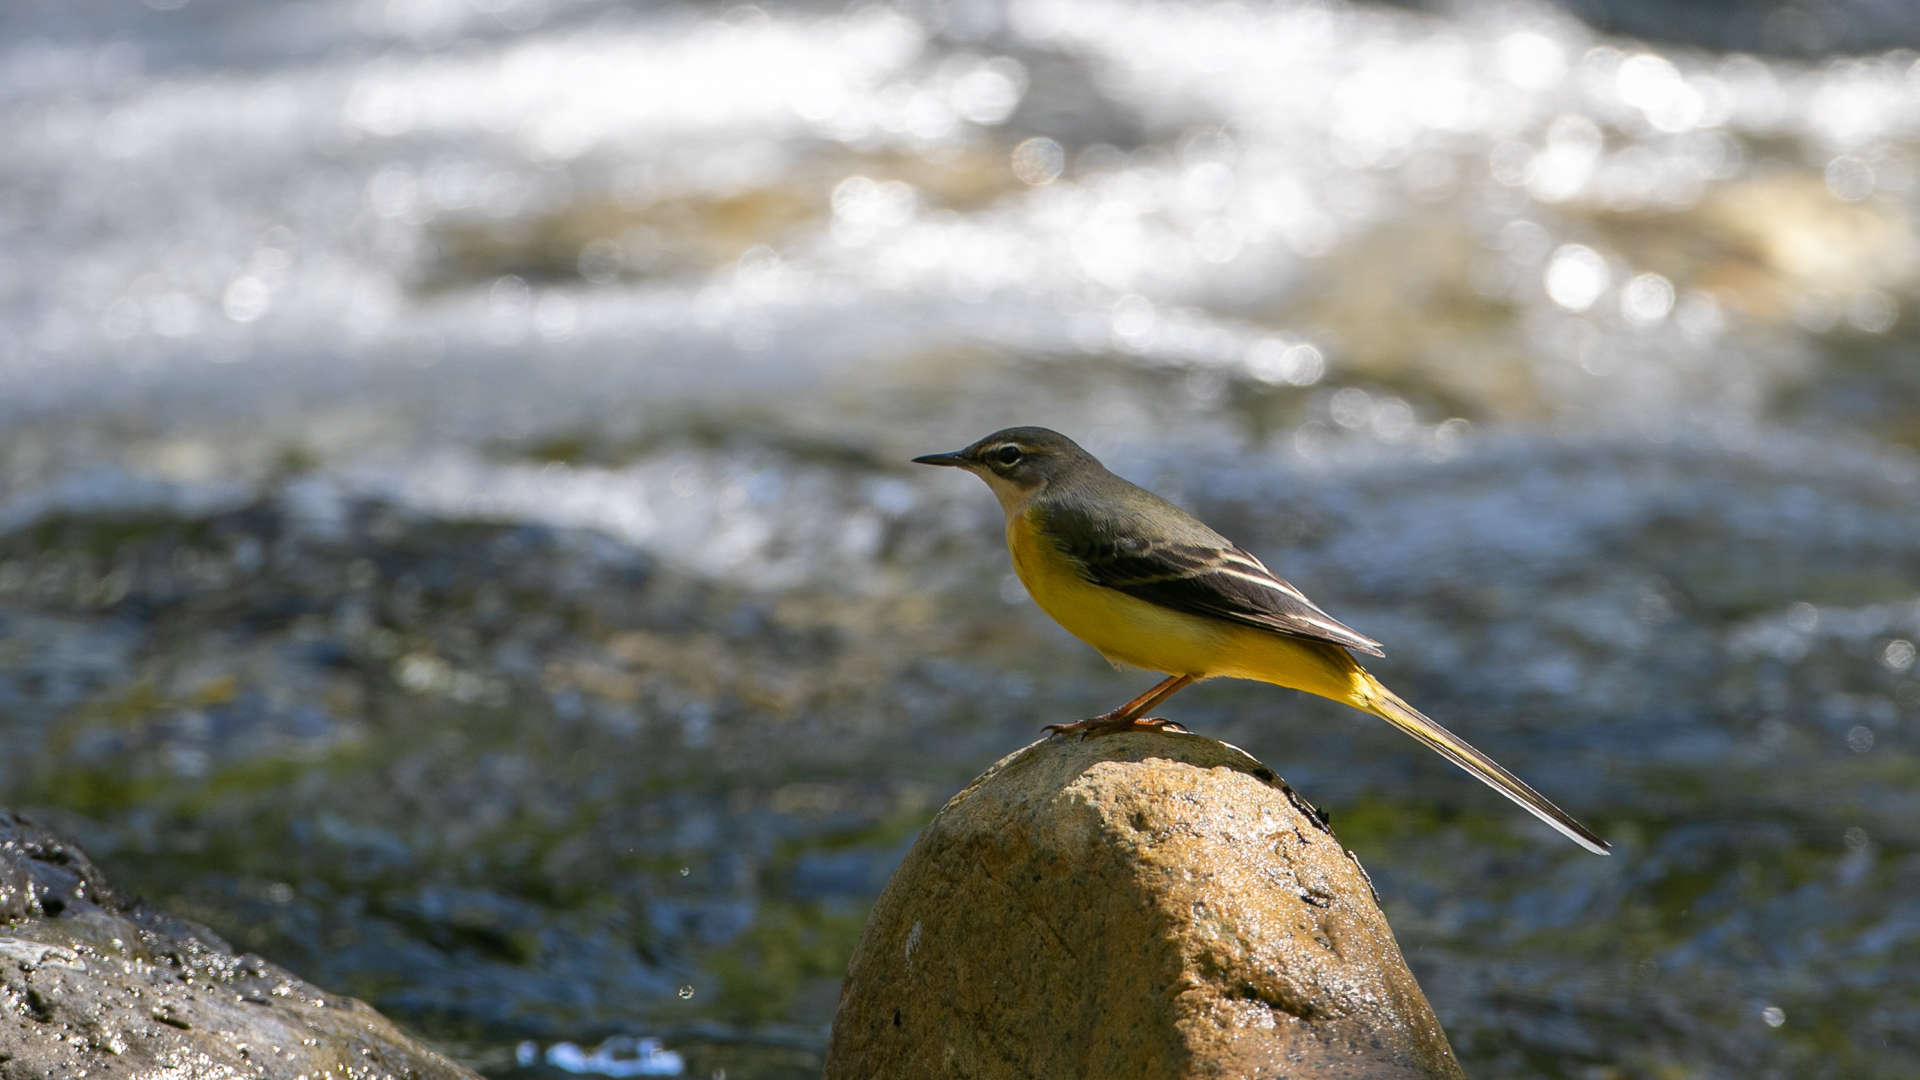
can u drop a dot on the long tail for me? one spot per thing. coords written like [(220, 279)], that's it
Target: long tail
[(1387, 705)]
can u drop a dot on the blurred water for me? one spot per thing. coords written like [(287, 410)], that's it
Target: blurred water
[(457, 540)]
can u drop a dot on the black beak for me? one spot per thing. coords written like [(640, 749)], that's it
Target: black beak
[(954, 459)]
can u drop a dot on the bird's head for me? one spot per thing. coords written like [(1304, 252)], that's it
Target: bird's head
[(1018, 463)]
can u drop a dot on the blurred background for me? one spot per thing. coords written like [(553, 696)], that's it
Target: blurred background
[(456, 540)]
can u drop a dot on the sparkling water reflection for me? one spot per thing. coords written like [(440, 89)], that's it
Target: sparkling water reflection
[(457, 540)]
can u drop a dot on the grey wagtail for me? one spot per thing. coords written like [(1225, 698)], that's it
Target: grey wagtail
[(1150, 587)]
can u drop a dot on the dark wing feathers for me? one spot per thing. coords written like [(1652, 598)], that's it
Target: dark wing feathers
[(1205, 579)]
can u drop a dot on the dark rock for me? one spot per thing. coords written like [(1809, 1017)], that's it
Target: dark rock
[(1137, 906), (97, 984)]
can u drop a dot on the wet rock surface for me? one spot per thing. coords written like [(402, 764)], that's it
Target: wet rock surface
[(1142, 905), (94, 983)]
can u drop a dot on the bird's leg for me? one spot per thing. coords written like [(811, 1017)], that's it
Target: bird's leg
[(1132, 711), (1128, 717)]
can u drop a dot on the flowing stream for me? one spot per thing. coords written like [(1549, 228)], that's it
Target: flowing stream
[(456, 537)]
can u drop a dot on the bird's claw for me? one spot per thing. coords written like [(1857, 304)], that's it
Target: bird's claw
[(1112, 725)]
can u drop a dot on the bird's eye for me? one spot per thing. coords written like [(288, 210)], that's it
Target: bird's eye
[(1007, 455)]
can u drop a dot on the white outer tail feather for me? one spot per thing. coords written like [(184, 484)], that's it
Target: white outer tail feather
[(1389, 707)]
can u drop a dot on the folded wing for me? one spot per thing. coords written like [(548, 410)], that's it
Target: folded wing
[(1215, 581)]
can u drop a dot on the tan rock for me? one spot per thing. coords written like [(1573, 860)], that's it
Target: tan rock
[(1136, 906)]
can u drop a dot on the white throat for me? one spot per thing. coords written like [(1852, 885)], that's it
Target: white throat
[(1013, 499)]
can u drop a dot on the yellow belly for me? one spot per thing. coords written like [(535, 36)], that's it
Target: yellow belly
[(1130, 631)]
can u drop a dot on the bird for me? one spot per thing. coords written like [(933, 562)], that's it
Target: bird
[(1150, 586)]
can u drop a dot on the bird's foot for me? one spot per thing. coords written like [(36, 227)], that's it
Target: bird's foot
[(1112, 725)]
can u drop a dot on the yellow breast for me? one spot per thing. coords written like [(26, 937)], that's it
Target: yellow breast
[(1131, 631), (1125, 630)]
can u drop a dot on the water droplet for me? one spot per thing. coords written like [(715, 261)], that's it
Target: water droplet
[(1899, 654), (686, 992), (1040, 161)]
